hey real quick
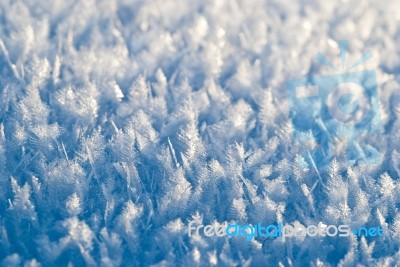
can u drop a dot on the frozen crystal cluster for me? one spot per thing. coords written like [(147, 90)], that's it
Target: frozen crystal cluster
[(122, 121)]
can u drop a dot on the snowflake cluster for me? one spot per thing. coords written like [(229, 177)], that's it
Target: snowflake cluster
[(123, 121)]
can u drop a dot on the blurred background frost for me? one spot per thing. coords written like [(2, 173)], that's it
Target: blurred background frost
[(122, 121)]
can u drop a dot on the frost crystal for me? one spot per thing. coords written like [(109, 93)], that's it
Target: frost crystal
[(123, 121)]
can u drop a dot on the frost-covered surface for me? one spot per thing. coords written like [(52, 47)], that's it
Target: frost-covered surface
[(122, 121)]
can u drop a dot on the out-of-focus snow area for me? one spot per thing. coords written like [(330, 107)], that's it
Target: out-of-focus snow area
[(123, 121)]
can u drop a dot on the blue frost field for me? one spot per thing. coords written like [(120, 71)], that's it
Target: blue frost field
[(199, 133)]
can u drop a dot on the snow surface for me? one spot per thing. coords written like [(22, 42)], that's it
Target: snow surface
[(122, 121)]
